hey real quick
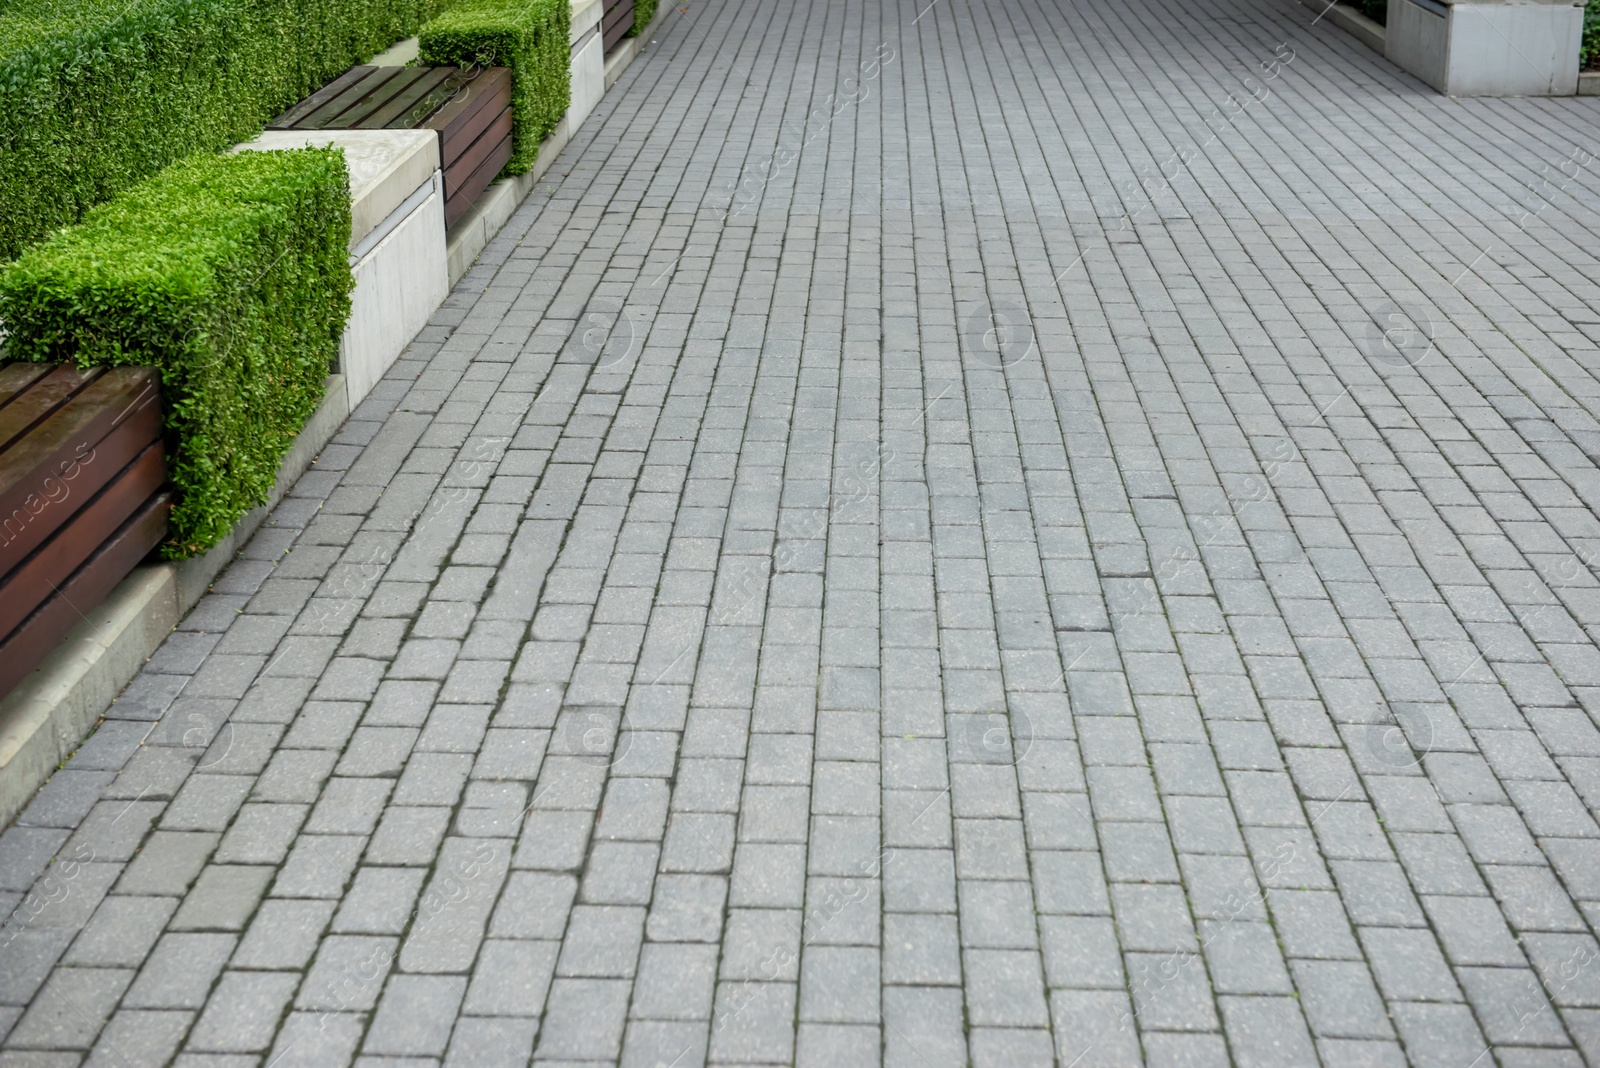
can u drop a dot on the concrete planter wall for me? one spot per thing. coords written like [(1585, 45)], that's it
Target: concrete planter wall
[(400, 280), (588, 61), (1471, 48)]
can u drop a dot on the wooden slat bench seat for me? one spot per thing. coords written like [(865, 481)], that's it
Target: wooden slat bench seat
[(616, 22), (82, 498), (469, 109)]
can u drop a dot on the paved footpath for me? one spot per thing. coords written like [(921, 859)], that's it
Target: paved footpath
[(1003, 534)]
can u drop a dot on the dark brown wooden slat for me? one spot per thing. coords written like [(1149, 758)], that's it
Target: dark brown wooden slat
[(292, 118), (65, 485), (24, 648), (40, 399), (430, 79), (415, 117), (37, 578), (110, 399), (330, 115), (16, 377), (616, 23), (467, 163), (473, 187), (470, 112)]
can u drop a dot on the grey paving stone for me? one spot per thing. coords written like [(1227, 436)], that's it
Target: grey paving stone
[(140, 1036), (24, 853), (415, 1015), (1266, 1030), (121, 931), (1438, 1034), (283, 934), (674, 982), (687, 908), (753, 1021), (1094, 1026), (491, 1041), (602, 941), (584, 1019), (179, 972), (319, 865), (66, 799), (309, 1038), (1340, 999), (242, 1013), (71, 1009)]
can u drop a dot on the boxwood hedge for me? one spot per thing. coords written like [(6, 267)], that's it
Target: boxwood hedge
[(96, 95), (643, 12), (228, 273), (533, 38)]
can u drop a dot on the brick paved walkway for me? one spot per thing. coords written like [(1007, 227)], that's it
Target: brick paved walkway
[(847, 579)]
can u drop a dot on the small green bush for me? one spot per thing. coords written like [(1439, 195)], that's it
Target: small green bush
[(1589, 55), (228, 273), (1376, 10), (532, 37), (643, 12), (96, 95)]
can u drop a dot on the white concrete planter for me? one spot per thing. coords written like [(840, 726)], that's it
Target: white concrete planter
[(588, 61), (400, 280), (1497, 48)]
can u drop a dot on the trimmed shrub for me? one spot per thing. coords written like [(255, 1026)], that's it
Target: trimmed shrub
[(96, 95), (533, 38), (1376, 10), (643, 12), (231, 275)]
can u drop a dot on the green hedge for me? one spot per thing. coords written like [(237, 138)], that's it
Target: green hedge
[(96, 95), (533, 38), (643, 12), (231, 275), (1589, 55)]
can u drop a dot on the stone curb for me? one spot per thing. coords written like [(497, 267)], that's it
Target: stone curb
[(51, 711)]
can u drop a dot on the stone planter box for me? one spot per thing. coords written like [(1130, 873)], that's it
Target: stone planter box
[(1471, 48)]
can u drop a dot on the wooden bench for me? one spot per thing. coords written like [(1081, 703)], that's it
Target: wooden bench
[(82, 498), (616, 22), (469, 109)]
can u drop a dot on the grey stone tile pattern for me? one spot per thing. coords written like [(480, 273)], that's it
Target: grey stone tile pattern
[(941, 534)]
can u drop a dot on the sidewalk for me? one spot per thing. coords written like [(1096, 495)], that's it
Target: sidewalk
[(849, 578)]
